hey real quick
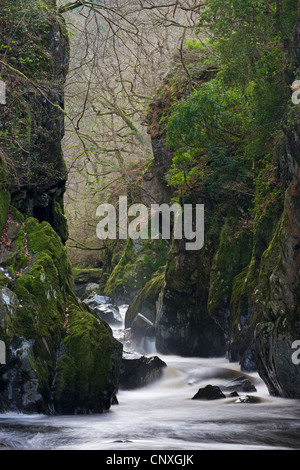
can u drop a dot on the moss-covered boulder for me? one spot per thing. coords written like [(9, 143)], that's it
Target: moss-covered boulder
[(35, 57), (88, 365), (51, 339)]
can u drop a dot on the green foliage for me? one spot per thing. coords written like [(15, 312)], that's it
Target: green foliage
[(222, 133), (210, 115), (253, 38)]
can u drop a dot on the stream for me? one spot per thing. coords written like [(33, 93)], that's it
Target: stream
[(162, 416)]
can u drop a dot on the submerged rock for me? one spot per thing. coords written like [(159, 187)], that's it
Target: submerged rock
[(137, 370), (210, 392)]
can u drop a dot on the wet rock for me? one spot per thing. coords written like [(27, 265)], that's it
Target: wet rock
[(248, 399), (137, 370), (240, 384), (101, 305), (210, 392), (142, 326), (110, 314)]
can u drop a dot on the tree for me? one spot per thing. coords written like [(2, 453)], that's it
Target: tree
[(120, 52)]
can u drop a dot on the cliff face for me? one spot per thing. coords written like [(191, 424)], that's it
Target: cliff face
[(33, 119), (60, 356)]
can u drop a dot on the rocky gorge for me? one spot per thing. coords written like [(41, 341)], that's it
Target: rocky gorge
[(238, 297)]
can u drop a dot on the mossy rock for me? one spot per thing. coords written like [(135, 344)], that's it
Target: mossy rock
[(86, 275), (88, 365), (145, 301)]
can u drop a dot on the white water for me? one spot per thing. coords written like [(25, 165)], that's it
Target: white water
[(162, 416)]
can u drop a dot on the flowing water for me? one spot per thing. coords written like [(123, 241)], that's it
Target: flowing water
[(162, 416)]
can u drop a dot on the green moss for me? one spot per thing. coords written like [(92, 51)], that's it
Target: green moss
[(4, 196), (48, 314), (60, 223), (232, 255)]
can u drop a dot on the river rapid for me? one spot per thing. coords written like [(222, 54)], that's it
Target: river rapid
[(162, 416)]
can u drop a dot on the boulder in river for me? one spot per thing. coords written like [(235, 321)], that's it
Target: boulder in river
[(137, 370), (210, 392)]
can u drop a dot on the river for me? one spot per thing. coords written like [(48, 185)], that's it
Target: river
[(162, 416)]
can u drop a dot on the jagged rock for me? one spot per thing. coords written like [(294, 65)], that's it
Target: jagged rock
[(210, 392), (95, 300), (248, 399), (276, 301), (240, 384), (8, 305), (110, 314), (137, 371), (102, 306)]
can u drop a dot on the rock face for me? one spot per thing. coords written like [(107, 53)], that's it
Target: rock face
[(277, 301), (138, 371), (240, 384), (61, 357), (276, 298), (183, 325)]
